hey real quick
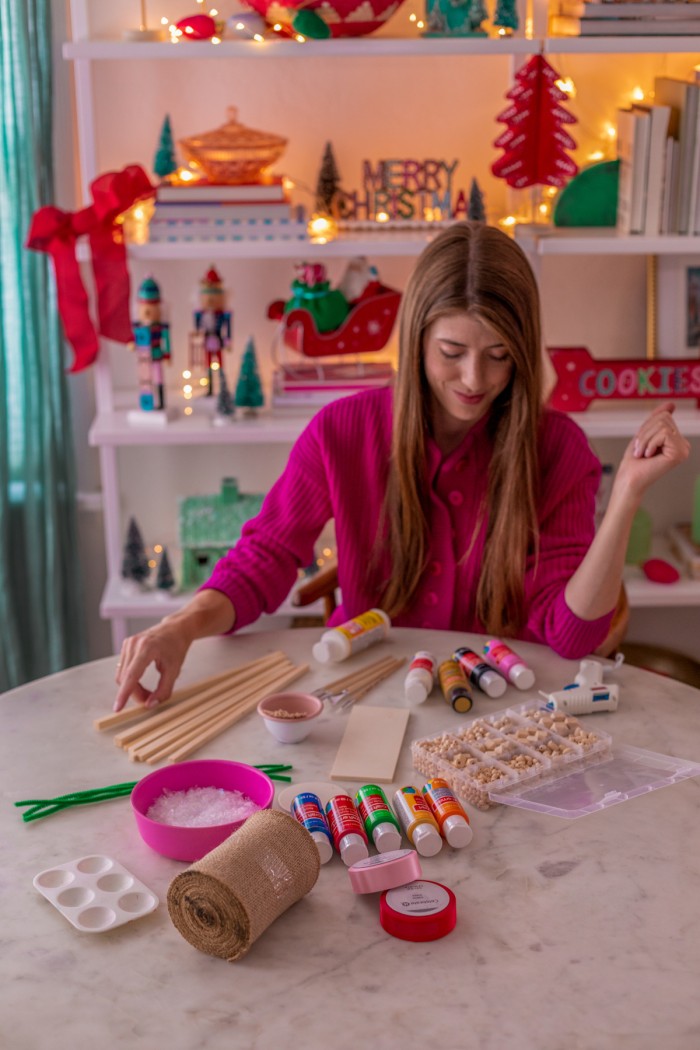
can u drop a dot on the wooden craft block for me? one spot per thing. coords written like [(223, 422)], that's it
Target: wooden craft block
[(371, 744)]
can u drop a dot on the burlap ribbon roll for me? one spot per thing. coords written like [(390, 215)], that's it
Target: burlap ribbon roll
[(225, 901)]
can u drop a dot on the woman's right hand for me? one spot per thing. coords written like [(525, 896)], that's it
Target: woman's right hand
[(166, 645)]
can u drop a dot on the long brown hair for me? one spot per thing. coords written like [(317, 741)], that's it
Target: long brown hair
[(477, 268)]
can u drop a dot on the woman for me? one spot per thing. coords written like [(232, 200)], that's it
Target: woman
[(459, 502)]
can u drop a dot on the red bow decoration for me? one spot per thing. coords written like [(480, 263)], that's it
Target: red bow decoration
[(56, 232)]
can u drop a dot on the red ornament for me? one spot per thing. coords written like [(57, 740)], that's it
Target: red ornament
[(197, 27), (534, 142), (659, 571), (581, 379)]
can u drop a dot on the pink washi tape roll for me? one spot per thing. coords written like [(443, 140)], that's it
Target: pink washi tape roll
[(385, 871)]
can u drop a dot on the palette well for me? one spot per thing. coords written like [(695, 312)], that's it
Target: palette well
[(95, 893)]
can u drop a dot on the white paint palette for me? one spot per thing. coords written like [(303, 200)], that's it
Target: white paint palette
[(95, 893)]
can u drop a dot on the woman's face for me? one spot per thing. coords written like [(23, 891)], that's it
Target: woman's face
[(467, 366)]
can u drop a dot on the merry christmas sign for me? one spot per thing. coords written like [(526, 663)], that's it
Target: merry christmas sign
[(581, 379), (405, 189)]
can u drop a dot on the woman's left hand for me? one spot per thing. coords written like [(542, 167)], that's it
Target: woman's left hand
[(657, 448)]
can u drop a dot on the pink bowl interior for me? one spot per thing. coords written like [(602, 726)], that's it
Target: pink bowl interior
[(295, 703), (190, 844)]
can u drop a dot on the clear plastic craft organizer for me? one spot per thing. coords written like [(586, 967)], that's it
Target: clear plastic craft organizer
[(529, 756)]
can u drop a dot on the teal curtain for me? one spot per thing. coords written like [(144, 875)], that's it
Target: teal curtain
[(41, 625)]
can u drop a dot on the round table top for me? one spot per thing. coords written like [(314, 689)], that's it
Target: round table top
[(570, 933)]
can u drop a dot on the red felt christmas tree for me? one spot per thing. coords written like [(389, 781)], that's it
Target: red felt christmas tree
[(535, 142)]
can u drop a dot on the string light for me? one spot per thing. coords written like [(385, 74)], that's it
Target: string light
[(321, 228), (638, 95)]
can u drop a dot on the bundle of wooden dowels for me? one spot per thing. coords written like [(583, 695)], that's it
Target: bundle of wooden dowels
[(345, 691), (195, 715)]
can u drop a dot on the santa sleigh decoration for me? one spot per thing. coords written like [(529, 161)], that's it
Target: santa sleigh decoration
[(320, 321)]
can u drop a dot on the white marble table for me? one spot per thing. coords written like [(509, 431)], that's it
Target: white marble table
[(571, 935)]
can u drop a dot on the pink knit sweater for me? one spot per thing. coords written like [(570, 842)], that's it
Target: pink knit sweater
[(338, 469)]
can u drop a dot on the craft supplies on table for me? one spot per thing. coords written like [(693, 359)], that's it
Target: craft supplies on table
[(95, 893), (449, 814), (348, 834), (224, 902), (197, 714), (378, 818), (418, 824), (507, 662), (533, 758), (308, 810), (385, 871), (420, 911), (420, 680), (353, 636), (371, 744), (289, 717), (344, 692), (186, 842), (454, 686), (480, 673)]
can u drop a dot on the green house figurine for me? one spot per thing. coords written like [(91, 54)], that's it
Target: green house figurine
[(210, 526)]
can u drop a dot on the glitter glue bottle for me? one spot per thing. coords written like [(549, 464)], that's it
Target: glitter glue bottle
[(307, 809), (509, 664), (352, 636), (479, 673), (452, 820), (417, 821), (346, 828), (420, 678), (378, 818), (455, 687)]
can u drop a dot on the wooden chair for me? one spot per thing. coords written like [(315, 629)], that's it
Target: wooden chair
[(324, 584)]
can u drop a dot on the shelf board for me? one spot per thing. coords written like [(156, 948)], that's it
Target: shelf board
[(341, 47), (619, 44), (120, 600), (602, 422), (356, 47), (382, 243), (267, 428), (548, 240), (643, 593)]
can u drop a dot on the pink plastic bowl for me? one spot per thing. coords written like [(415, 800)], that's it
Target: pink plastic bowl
[(193, 843)]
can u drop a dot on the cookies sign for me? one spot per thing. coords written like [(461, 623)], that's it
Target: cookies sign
[(581, 379), (405, 189)]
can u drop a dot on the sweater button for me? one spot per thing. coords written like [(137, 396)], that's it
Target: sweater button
[(456, 498), (431, 598), (435, 568)]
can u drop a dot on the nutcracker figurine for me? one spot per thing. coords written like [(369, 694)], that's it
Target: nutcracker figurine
[(152, 345), (212, 323)]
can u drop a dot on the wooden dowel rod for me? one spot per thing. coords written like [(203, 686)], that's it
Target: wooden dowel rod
[(139, 711), (228, 701), (362, 690), (197, 704), (213, 731), (158, 717), (172, 741), (341, 682), (369, 675)]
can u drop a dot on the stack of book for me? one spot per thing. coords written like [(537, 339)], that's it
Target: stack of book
[(317, 384), (207, 211), (625, 18), (659, 151)]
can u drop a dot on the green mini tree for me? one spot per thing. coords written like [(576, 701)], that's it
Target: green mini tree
[(328, 182), (165, 162), (224, 405), (475, 208), (165, 580), (506, 16), (249, 393), (135, 560)]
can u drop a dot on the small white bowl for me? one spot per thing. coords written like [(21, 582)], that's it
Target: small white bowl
[(290, 730)]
